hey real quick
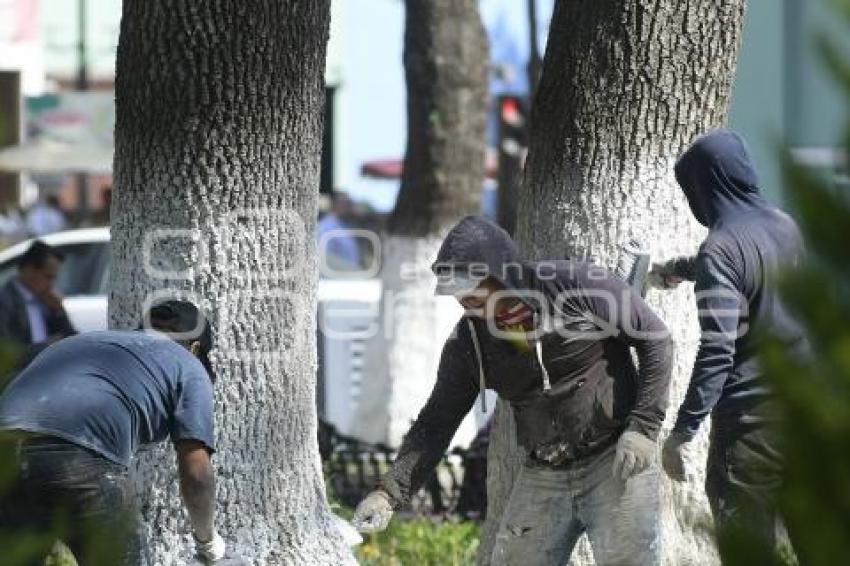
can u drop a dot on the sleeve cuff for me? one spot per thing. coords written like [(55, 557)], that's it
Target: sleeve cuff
[(634, 424), (390, 487), (685, 431)]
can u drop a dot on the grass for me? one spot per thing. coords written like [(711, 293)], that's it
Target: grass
[(421, 541)]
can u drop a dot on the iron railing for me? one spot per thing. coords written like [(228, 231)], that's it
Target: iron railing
[(353, 467)]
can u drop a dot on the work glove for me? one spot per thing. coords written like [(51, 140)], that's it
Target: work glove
[(373, 514), (211, 550), (672, 456), (668, 274), (663, 276), (635, 453)]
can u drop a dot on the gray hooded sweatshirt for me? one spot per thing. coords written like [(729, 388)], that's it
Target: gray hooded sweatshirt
[(575, 388)]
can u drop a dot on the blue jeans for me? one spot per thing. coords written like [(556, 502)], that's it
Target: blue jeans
[(549, 509)]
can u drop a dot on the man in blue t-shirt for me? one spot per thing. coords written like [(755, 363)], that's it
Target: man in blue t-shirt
[(81, 410)]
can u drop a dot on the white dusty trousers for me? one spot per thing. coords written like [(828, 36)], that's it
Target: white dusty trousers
[(549, 510)]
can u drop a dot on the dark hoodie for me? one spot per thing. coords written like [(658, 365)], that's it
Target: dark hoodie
[(585, 392), (748, 241)]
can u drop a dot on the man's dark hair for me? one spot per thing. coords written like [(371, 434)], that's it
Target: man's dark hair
[(186, 323), (38, 253)]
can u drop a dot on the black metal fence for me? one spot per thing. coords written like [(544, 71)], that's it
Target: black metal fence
[(457, 487)]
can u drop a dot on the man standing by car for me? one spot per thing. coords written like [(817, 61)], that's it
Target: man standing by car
[(31, 311), (553, 339), (748, 242), (80, 411)]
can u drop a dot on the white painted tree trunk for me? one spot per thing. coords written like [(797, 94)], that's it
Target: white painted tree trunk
[(445, 60), (402, 359), (625, 87), (216, 176)]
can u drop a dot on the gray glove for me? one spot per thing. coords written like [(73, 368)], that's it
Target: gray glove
[(672, 456), (373, 514), (669, 274), (635, 453), (211, 550)]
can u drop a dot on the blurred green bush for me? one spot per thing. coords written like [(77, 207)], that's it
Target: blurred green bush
[(421, 541), (815, 394)]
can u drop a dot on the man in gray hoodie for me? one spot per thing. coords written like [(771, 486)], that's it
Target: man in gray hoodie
[(553, 339)]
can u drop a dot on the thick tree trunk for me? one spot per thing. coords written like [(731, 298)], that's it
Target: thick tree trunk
[(626, 86), (216, 175), (445, 61)]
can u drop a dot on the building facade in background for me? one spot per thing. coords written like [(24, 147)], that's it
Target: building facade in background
[(782, 90)]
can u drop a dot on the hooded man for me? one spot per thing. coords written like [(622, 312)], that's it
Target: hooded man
[(553, 339), (748, 242)]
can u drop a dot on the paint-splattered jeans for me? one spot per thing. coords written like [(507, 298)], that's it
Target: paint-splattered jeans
[(550, 509)]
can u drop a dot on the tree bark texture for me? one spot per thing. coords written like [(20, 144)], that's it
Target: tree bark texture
[(445, 62), (217, 149), (626, 86)]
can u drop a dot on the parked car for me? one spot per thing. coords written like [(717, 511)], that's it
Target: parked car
[(348, 308), (82, 278)]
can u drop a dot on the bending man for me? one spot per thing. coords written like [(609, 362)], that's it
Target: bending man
[(553, 339), (80, 411)]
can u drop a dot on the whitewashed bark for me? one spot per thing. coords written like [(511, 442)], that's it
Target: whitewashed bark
[(445, 60), (625, 87), (217, 148), (412, 326)]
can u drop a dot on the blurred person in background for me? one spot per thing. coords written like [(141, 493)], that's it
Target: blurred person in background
[(333, 233), (12, 226), (31, 311), (106, 211), (80, 411), (46, 217)]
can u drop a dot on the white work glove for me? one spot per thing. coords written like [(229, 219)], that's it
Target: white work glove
[(211, 550), (635, 453), (672, 456), (373, 514)]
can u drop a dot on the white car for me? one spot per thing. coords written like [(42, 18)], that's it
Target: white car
[(82, 277), (347, 309)]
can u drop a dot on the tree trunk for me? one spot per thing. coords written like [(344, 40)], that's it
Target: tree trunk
[(218, 128), (445, 61), (626, 86)]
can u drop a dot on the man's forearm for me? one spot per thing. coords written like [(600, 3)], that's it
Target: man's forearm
[(198, 492), (421, 451)]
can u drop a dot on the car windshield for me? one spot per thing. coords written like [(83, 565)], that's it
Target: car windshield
[(81, 270)]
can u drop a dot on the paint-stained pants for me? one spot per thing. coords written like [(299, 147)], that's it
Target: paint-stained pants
[(550, 509)]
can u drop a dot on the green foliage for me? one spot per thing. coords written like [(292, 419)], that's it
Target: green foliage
[(815, 394), (423, 542)]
